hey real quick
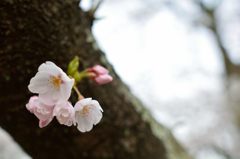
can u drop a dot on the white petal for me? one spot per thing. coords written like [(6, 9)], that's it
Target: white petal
[(84, 125), (56, 110), (50, 98), (39, 83), (64, 113), (65, 90), (97, 105), (96, 116), (50, 67), (81, 103)]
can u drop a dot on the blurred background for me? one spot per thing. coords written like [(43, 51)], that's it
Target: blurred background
[(182, 59)]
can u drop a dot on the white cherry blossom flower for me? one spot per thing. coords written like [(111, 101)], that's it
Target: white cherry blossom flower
[(88, 112), (42, 111), (51, 83), (64, 113)]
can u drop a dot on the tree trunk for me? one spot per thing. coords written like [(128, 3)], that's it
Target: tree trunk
[(34, 31)]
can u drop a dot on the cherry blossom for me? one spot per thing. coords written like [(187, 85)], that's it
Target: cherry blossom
[(64, 113), (88, 112), (53, 88), (51, 83), (42, 111)]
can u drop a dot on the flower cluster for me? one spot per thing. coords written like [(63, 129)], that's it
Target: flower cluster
[(53, 88)]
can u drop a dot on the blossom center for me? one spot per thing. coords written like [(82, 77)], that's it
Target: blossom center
[(85, 110), (56, 81)]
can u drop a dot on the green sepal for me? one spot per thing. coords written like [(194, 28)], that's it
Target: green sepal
[(73, 66)]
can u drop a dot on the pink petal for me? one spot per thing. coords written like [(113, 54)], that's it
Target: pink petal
[(44, 123), (100, 70), (32, 103), (103, 79)]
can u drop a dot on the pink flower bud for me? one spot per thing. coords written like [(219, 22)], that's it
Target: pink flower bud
[(42, 111), (99, 70), (100, 74), (103, 79)]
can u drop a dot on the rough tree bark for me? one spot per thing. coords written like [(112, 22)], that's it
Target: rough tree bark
[(34, 31)]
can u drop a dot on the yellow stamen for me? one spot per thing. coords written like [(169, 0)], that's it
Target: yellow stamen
[(56, 81), (85, 110)]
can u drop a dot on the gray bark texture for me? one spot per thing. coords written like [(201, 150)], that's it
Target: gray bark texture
[(35, 31)]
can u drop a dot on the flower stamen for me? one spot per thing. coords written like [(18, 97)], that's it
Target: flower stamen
[(56, 81), (85, 111)]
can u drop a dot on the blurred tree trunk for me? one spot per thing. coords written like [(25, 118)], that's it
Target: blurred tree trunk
[(34, 31)]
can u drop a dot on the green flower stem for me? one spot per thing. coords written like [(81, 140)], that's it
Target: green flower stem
[(80, 96), (78, 76)]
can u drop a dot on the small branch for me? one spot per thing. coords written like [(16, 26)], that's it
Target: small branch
[(91, 13), (230, 67), (95, 7)]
